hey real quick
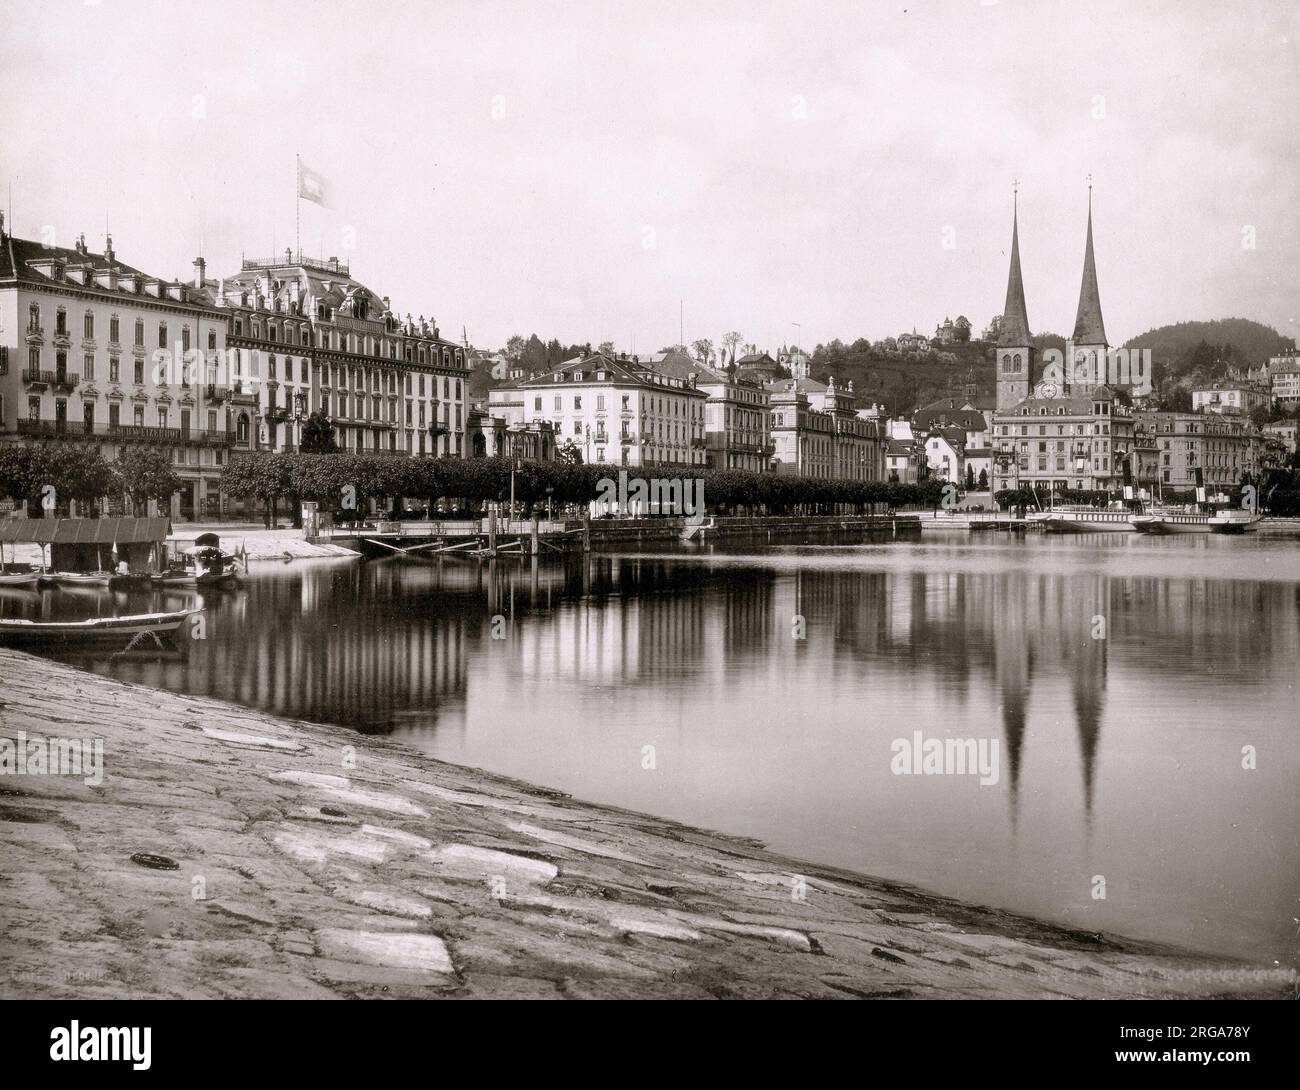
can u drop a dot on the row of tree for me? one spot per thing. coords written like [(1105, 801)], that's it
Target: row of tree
[(349, 482), (43, 477)]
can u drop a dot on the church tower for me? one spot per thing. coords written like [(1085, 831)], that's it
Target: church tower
[(1089, 338), (1014, 349)]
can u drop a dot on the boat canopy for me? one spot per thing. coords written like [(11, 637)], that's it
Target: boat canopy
[(107, 531)]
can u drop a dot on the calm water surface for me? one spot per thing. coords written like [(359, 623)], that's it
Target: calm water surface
[(1120, 757)]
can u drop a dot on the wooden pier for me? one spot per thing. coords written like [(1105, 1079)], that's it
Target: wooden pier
[(493, 537)]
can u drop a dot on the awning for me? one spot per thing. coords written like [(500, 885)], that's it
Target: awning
[(122, 531)]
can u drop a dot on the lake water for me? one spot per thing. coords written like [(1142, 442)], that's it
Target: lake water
[(1121, 677)]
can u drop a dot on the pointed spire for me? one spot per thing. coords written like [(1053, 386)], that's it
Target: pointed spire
[(1015, 320), (1088, 326)]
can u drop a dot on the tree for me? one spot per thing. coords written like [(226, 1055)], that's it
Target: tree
[(569, 454), (984, 480), (45, 476), (318, 434), (702, 350), (515, 347), (729, 342), (606, 348), (970, 478), (146, 473)]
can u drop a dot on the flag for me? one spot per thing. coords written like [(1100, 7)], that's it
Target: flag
[(311, 185)]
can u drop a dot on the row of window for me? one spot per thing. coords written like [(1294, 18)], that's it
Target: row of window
[(359, 344), (339, 342)]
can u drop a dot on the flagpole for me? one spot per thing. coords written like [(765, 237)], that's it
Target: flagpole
[(297, 203)]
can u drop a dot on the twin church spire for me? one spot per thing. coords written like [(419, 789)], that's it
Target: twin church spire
[(1015, 342)]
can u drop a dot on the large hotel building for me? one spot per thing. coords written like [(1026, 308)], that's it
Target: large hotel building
[(94, 350)]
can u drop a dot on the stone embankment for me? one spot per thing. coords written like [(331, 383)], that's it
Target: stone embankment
[(229, 853)]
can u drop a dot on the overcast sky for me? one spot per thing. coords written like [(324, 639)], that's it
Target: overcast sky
[(575, 170)]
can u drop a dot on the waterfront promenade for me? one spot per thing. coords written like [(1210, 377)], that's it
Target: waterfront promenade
[(309, 861)]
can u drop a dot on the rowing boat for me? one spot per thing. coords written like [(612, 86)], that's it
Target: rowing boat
[(19, 580), (77, 578), (94, 628)]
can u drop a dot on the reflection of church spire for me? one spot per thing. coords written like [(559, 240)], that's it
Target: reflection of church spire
[(1089, 690)]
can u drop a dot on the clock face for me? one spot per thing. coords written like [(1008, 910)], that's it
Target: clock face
[(1048, 389)]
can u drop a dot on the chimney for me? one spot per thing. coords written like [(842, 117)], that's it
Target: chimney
[(200, 272), (288, 256), (334, 264), (81, 243), (108, 249)]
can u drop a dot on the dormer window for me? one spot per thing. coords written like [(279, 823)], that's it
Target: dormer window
[(57, 271), (577, 376), (600, 376)]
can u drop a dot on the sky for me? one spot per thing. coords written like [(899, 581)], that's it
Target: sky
[(606, 171)]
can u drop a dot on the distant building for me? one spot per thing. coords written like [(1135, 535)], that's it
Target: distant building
[(617, 411), (1223, 448), (1284, 431), (903, 461), (1284, 380), (1233, 398), (737, 414), (1076, 441), (758, 367), (945, 454), (950, 332), (817, 432)]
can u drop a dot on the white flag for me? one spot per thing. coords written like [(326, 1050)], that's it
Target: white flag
[(311, 185)]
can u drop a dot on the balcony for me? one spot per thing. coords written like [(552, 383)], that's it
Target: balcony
[(134, 433), (58, 380)]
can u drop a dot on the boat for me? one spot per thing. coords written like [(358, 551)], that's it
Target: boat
[(76, 578), (1082, 519), (204, 565), (1235, 522), (93, 628), (26, 580), (1172, 520)]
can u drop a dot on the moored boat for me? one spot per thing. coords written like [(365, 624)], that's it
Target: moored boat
[(28, 580), (76, 578), (1172, 520), (204, 565), (93, 628), (1080, 519), (1234, 522)]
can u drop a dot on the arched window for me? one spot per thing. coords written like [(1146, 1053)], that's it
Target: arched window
[(241, 428)]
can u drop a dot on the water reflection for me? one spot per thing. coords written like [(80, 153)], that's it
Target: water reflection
[(1122, 682)]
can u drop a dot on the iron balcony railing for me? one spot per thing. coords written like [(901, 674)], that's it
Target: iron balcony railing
[(66, 379), (79, 429)]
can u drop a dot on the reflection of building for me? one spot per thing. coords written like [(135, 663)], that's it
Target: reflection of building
[(79, 337)]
